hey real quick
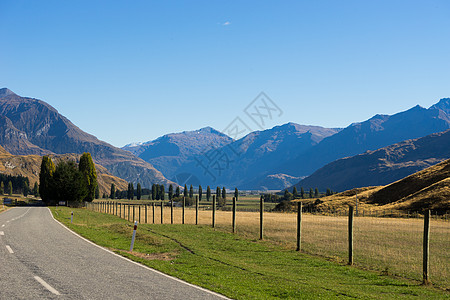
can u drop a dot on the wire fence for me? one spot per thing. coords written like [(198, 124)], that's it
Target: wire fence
[(390, 242)]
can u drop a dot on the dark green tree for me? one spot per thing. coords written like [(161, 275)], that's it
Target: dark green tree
[(10, 188), (311, 193), (113, 191), (2, 188), (87, 168), (69, 183), (170, 192), (129, 191), (200, 193), (177, 192), (287, 196), (36, 189), (97, 192), (236, 193), (138, 191), (162, 191), (185, 191), (191, 192), (217, 193), (208, 193), (132, 191), (158, 192), (153, 191), (224, 193), (302, 193), (316, 192), (295, 193), (46, 179)]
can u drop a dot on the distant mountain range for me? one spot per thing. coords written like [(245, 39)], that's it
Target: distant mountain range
[(281, 156), (382, 166), (271, 159), (31, 126)]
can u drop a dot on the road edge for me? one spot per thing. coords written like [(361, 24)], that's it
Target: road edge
[(136, 263)]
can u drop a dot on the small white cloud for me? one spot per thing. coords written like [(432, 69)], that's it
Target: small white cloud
[(226, 23)]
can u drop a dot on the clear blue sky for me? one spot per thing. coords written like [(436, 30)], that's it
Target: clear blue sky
[(130, 71)]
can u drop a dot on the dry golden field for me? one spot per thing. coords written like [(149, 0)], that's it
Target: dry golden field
[(387, 245)]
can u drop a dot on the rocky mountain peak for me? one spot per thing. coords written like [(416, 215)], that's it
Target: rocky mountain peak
[(4, 92)]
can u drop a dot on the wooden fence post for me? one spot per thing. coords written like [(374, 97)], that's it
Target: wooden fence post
[(162, 212), (299, 226), (350, 235), (171, 211), (134, 213), (261, 218), (214, 212), (128, 212), (153, 207), (120, 210), (196, 210), (426, 247), (184, 205), (145, 213), (139, 211), (234, 214)]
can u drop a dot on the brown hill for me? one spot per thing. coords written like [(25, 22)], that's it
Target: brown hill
[(426, 189), (29, 166)]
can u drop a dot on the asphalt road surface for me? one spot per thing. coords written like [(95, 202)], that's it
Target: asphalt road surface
[(42, 259)]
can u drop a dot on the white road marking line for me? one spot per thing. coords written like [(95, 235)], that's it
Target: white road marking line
[(2, 233), (46, 285), (9, 249)]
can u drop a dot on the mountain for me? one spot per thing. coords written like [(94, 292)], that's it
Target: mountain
[(426, 189), (29, 166), (375, 133), (169, 152), (382, 166), (31, 126), (240, 162)]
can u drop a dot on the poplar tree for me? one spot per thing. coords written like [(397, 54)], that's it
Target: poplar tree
[(302, 193), (170, 192), (2, 188), (200, 192), (316, 193), (10, 188), (153, 191), (138, 191), (97, 192), (295, 193), (113, 191), (236, 193), (162, 191), (310, 192), (224, 193), (217, 193), (185, 191), (87, 168), (177, 192), (46, 178), (208, 193), (191, 192)]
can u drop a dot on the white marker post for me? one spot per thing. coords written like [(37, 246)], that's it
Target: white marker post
[(71, 217), (134, 236)]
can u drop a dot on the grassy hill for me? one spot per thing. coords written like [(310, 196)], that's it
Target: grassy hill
[(29, 166)]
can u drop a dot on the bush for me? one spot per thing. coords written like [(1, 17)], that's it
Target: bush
[(284, 206)]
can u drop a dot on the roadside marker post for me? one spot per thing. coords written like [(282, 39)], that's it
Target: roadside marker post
[(71, 217), (134, 235)]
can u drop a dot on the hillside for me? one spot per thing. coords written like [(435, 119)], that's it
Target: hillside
[(426, 189), (382, 166), (29, 166), (31, 126)]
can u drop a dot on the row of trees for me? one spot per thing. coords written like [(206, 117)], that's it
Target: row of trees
[(10, 184), (157, 192), (67, 181)]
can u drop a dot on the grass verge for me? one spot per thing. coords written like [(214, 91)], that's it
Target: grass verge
[(236, 267)]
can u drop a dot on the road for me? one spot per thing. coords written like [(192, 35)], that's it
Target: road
[(42, 259)]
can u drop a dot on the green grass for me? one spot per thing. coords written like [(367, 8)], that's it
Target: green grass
[(236, 267)]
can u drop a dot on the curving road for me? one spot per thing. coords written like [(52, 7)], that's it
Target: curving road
[(42, 259)]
